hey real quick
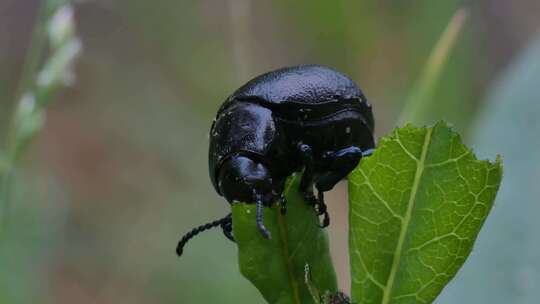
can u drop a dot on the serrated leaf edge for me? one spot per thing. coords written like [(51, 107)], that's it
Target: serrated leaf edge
[(394, 135)]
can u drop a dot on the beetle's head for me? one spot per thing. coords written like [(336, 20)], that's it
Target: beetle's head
[(246, 180)]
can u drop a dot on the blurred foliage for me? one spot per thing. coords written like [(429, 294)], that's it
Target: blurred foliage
[(419, 107), (119, 172), (504, 267)]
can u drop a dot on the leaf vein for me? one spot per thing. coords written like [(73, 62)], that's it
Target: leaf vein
[(404, 225), (378, 196), (398, 140)]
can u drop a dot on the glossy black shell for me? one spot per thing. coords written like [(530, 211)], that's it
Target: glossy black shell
[(315, 89), (269, 115)]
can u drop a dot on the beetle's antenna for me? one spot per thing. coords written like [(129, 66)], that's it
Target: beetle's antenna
[(259, 219), (188, 236), (227, 230)]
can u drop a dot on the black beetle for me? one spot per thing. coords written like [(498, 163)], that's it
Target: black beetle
[(304, 117)]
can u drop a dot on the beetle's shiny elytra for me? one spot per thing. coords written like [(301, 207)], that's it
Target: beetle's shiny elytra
[(304, 117)]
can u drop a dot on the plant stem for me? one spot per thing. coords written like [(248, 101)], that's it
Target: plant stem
[(417, 105)]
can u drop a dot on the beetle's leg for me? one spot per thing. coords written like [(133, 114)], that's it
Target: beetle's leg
[(259, 219), (306, 155), (342, 162), (368, 152), (310, 198), (226, 226), (322, 209), (282, 204), (306, 184)]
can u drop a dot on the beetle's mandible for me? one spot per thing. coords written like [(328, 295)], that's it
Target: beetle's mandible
[(307, 117)]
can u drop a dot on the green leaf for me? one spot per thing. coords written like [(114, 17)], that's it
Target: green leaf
[(277, 266), (504, 266), (416, 207)]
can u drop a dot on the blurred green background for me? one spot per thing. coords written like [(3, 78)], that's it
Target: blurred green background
[(119, 172)]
